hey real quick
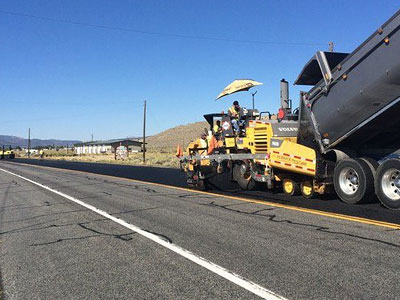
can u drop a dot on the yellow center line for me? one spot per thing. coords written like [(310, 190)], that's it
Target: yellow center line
[(273, 204)]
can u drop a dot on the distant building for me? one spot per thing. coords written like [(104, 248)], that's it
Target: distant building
[(109, 146), (31, 151)]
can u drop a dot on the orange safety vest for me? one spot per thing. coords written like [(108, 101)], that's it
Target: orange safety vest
[(213, 145)]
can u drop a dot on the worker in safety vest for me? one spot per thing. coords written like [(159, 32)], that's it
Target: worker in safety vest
[(203, 144), (233, 112), (217, 129)]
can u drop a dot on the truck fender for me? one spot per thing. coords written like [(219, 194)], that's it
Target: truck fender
[(337, 155)]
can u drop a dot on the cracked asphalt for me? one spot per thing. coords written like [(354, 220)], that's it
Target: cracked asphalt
[(52, 248)]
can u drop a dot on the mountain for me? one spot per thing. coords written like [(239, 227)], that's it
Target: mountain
[(17, 141), (182, 135)]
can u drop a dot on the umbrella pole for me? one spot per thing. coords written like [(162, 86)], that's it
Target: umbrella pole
[(252, 94)]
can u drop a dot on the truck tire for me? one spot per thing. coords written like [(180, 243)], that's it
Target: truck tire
[(372, 163), (353, 181), (290, 187), (244, 180), (387, 183)]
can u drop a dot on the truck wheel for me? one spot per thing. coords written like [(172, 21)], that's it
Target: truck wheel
[(307, 189), (290, 187), (372, 163), (243, 177), (387, 183), (353, 181)]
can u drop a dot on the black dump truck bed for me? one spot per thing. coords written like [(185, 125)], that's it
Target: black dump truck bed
[(355, 103)]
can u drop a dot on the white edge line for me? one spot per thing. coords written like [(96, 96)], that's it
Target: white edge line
[(221, 271)]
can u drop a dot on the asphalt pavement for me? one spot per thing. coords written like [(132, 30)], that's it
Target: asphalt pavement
[(221, 185), (51, 247)]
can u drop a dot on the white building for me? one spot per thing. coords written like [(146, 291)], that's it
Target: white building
[(110, 146)]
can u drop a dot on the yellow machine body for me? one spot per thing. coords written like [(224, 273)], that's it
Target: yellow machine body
[(294, 158), (281, 148)]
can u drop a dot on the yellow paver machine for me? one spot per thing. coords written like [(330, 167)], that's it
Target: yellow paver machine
[(344, 136), (265, 150)]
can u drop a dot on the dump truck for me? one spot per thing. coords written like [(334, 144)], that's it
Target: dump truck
[(343, 137)]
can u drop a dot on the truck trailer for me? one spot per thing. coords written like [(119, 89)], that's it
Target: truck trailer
[(344, 136)]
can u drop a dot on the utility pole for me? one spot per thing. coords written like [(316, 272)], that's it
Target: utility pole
[(127, 146), (144, 133), (92, 137), (29, 143), (330, 46)]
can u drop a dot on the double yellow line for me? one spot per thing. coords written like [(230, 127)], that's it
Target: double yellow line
[(289, 207)]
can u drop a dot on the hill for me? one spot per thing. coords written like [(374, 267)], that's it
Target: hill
[(15, 141), (182, 135)]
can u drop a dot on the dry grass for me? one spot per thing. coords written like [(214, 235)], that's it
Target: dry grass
[(154, 157)]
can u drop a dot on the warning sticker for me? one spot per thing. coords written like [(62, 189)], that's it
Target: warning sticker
[(290, 160), (226, 125)]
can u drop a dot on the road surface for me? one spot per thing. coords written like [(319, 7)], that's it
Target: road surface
[(75, 235), (221, 185)]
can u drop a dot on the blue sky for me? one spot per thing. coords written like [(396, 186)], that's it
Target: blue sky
[(69, 81)]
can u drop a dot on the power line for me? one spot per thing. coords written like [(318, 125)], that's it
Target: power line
[(91, 103), (174, 35), (20, 120)]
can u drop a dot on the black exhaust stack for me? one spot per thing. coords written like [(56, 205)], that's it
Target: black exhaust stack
[(285, 102)]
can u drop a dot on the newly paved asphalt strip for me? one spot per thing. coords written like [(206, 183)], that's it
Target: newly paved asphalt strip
[(163, 175), (221, 185), (52, 247)]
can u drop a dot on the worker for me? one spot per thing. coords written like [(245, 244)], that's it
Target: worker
[(203, 144), (217, 129), (41, 153), (234, 112)]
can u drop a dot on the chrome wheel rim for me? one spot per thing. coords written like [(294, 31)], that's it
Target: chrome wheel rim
[(390, 184), (349, 181)]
